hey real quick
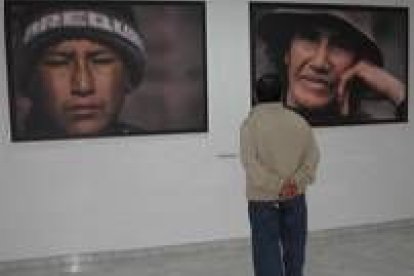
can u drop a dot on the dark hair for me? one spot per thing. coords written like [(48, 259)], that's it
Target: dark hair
[(268, 89)]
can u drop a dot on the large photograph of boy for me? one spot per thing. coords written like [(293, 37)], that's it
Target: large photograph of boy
[(334, 64), (95, 68)]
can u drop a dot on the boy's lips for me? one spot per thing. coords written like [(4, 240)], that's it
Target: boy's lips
[(83, 111)]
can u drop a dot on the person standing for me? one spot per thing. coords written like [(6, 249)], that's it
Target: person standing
[(280, 157)]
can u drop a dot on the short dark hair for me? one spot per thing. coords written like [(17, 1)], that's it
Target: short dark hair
[(268, 88)]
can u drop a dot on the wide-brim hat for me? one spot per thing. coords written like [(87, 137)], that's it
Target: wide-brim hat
[(113, 26), (277, 27)]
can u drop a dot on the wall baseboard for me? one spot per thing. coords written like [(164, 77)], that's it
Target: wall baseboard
[(80, 262)]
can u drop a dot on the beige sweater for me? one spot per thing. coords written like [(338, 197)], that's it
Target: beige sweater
[(276, 144)]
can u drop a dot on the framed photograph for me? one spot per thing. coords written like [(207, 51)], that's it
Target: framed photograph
[(335, 64), (80, 69)]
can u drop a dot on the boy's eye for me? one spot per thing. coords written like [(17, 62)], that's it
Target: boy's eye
[(56, 59), (103, 59)]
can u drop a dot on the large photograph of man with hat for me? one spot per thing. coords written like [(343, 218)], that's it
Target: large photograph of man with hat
[(334, 64), (80, 69)]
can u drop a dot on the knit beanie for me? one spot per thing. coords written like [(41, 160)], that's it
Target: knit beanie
[(112, 25)]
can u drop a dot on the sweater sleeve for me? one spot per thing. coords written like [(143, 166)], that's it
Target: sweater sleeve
[(257, 173), (306, 172)]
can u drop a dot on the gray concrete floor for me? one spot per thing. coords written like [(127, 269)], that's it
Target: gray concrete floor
[(347, 252)]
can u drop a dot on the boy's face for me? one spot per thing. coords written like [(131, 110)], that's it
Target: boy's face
[(83, 86)]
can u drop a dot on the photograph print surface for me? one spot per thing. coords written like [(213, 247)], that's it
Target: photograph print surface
[(334, 64), (80, 69)]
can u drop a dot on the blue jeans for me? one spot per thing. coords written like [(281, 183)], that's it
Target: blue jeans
[(279, 231)]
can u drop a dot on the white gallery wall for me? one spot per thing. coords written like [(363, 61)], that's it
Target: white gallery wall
[(68, 197)]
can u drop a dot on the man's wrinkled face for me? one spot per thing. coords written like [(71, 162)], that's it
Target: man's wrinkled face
[(84, 86), (315, 62)]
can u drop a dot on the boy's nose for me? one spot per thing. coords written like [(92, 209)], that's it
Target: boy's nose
[(82, 80)]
